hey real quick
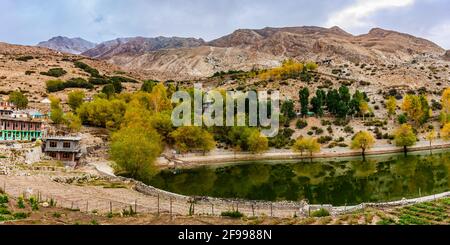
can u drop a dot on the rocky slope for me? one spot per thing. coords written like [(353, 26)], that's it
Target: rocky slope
[(24, 74), (185, 58), (315, 43), (139, 45), (68, 45)]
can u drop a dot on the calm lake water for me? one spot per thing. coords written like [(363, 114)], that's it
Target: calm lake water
[(336, 182)]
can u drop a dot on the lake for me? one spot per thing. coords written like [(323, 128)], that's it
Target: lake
[(337, 181)]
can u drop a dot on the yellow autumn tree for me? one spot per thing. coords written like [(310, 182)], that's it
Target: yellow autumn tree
[(391, 106), (445, 132), (308, 144), (412, 106), (364, 141), (445, 114)]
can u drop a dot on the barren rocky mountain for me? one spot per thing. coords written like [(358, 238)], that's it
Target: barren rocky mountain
[(68, 45), (195, 62), (140, 45), (315, 43), (185, 58), (21, 67)]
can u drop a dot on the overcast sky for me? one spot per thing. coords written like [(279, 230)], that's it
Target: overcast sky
[(30, 21)]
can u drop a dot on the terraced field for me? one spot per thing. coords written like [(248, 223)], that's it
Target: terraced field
[(429, 213)]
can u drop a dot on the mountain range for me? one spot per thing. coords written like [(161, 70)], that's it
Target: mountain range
[(68, 45), (248, 48)]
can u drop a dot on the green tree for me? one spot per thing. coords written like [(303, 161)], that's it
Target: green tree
[(72, 121), (304, 101), (257, 143), (56, 112), (191, 138), (18, 99), (364, 141), (405, 136), (148, 85), (75, 99), (109, 90), (134, 151), (287, 109)]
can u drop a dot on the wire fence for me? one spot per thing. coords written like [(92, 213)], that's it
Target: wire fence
[(154, 201)]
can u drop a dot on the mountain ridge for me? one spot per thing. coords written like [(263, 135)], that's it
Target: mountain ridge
[(67, 45)]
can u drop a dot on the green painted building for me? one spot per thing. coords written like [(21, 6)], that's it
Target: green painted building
[(20, 129)]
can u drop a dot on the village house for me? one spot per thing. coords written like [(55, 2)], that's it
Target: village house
[(20, 129), (6, 108), (66, 149)]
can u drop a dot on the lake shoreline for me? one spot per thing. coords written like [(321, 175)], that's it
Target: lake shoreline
[(192, 161)]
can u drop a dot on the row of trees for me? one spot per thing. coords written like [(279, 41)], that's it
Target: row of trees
[(338, 102), (289, 69)]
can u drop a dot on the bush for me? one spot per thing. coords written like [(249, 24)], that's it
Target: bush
[(54, 85), (99, 81), (324, 139), (21, 203), (20, 215), (93, 72), (25, 58), (29, 72), (232, 214), (320, 213), (78, 83), (122, 79), (54, 72), (348, 129), (4, 199), (301, 124)]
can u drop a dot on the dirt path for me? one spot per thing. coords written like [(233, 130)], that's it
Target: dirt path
[(88, 198)]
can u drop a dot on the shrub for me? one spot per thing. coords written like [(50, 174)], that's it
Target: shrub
[(54, 72), (93, 72), (320, 213), (54, 85), (324, 139), (318, 131), (25, 58), (348, 129), (232, 214), (99, 81), (21, 203), (20, 215), (301, 124), (29, 72), (122, 79), (78, 83), (34, 203), (4, 199)]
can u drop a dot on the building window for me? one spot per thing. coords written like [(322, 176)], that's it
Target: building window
[(66, 144), (66, 155), (53, 155), (53, 144)]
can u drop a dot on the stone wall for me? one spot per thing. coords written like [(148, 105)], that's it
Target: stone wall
[(215, 206)]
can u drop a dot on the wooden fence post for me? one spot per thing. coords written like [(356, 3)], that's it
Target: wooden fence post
[(171, 209), (158, 204), (135, 206), (87, 206), (212, 208), (110, 207), (253, 210), (271, 210)]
